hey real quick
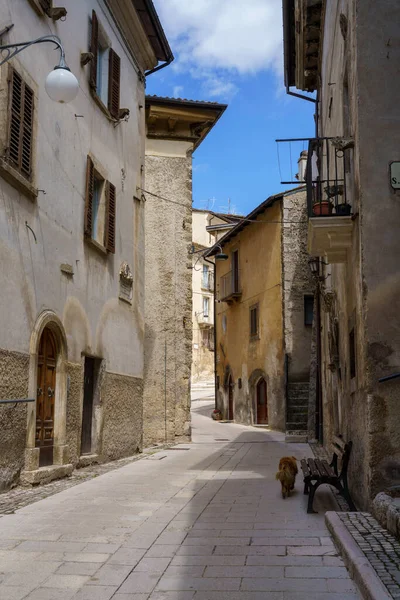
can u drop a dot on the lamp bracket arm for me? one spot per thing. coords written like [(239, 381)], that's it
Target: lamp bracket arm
[(11, 50)]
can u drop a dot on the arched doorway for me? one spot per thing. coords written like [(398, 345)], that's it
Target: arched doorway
[(230, 398), (45, 396), (261, 397)]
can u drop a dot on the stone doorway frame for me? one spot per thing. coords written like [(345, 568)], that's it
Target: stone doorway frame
[(254, 378), (32, 473)]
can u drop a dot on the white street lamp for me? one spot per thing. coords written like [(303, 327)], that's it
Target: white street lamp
[(61, 85)]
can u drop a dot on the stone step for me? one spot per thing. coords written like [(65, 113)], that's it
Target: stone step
[(296, 437), (294, 426), (298, 409), (297, 394), (303, 402), (296, 418)]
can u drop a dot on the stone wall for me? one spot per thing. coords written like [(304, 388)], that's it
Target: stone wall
[(297, 282), (168, 304), (366, 287), (14, 370), (122, 416)]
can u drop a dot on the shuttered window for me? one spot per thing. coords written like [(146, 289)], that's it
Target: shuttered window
[(254, 321), (109, 234), (88, 222), (114, 76), (100, 209), (94, 44), (105, 68), (20, 125)]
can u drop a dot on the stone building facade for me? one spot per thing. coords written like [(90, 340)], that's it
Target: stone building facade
[(72, 237), (263, 341), (175, 128), (206, 226), (352, 62)]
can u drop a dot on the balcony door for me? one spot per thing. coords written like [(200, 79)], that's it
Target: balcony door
[(235, 271)]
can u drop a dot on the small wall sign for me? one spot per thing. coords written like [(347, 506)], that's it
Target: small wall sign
[(125, 283), (395, 175)]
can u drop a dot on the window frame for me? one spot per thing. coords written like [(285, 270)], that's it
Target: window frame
[(254, 335), (206, 301), (108, 99), (108, 194), (307, 298), (9, 171)]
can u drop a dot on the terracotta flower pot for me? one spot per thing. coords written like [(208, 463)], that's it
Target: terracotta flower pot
[(322, 208)]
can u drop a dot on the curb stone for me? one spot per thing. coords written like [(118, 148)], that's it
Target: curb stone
[(357, 563)]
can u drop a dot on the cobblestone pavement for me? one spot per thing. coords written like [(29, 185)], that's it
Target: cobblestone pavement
[(380, 547), (23, 496), (205, 523)]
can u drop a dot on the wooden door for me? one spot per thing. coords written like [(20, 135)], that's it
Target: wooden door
[(87, 412), (230, 398), (262, 408), (46, 389)]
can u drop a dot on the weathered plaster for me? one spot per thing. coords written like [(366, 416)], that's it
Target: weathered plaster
[(168, 333), (261, 282), (14, 370)]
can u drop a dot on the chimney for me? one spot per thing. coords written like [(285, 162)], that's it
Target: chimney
[(302, 165)]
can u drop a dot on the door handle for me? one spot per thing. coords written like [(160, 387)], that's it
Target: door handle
[(39, 391), (50, 392)]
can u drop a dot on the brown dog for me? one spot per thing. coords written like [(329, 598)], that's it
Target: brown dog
[(287, 474)]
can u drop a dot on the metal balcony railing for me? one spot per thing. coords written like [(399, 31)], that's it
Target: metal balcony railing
[(229, 286), (327, 164)]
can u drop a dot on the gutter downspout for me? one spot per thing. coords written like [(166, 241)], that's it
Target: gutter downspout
[(289, 93), (159, 67), (215, 330)]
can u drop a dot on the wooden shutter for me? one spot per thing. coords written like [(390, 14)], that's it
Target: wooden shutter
[(109, 232), (114, 76), (88, 220), (46, 4), (94, 44), (20, 132)]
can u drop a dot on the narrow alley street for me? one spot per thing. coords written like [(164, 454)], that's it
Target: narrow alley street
[(202, 521)]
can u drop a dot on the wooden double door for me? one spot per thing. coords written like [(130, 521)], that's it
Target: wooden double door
[(45, 398)]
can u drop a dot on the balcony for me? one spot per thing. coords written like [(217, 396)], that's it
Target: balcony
[(330, 223), (207, 281), (203, 319), (229, 287)]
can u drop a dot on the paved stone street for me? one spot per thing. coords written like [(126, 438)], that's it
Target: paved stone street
[(201, 521)]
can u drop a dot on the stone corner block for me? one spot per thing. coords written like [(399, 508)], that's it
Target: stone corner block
[(45, 474)]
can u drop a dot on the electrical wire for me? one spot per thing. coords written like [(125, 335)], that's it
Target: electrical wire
[(242, 219)]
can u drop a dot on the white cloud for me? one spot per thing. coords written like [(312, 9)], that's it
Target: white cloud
[(177, 91), (222, 38)]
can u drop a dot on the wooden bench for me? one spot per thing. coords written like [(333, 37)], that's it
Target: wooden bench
[(316, 472)]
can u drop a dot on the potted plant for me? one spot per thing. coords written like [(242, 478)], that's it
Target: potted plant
[(343, 209), (216, 414), (322, 208)]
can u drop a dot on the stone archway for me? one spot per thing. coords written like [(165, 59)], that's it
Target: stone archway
[(48, 324)]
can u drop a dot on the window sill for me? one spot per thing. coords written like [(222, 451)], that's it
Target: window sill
[(99, 247), (102, 106), (18, 181)]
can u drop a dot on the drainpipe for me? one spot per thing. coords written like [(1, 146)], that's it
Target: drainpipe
[(319, 421), (168, 62), (215, 329)]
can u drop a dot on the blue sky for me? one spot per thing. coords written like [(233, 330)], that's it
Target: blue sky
[(224, 56)]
